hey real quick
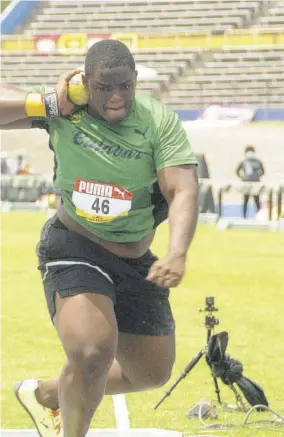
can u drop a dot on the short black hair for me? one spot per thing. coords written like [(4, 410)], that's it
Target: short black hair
[(108, 53), (249, 149)]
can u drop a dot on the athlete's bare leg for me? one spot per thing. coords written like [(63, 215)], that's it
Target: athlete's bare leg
[(142, 362), (87, 328)]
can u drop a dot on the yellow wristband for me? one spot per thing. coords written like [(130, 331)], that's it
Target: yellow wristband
[(34, 105)]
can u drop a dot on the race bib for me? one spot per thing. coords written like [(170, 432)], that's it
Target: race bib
[(100, 203)]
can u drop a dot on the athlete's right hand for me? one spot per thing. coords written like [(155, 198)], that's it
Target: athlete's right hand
[(66, 107)]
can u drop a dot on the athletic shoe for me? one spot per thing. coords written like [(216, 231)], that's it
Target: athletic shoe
[(47, 422)]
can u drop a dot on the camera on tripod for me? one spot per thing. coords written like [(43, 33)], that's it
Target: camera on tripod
[(209, 301), (221, 365), (210, 323), (210, 319)]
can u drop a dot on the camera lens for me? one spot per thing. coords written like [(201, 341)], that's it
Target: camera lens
[(209, 300)]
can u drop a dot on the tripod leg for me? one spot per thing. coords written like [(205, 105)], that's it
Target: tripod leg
[(238, 397), (187, 369), (217, 390), (192, 363)]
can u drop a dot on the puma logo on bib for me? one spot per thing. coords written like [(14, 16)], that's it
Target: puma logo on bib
[(98, 202)]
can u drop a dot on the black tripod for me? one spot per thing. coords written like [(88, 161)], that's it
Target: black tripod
[(210, 323)]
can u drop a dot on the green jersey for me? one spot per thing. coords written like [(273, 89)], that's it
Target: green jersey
[(106, 173)]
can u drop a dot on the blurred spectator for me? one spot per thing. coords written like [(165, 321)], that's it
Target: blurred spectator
[(5, 169), (23, 166), (250, 170)]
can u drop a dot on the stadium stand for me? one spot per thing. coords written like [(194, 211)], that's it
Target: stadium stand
[(187, 77), (38, 70), (235, 75), (275, 18), (140, 16)]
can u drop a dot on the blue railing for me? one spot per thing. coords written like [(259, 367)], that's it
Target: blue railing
[(15, 14)]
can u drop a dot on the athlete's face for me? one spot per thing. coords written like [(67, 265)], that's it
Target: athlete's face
[(111, 93)]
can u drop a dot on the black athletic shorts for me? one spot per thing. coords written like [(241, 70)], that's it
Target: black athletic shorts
[(71, 264)]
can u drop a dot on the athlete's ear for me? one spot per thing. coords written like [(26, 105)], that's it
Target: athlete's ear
[(135, 75)]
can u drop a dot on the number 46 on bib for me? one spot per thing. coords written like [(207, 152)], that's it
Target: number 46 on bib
[(99, 202)]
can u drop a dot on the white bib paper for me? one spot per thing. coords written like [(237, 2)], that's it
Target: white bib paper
[(98, 202)]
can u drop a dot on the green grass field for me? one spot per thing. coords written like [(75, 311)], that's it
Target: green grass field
[(244, 270)]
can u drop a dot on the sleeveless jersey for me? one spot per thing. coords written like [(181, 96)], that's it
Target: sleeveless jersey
[(107, 173)]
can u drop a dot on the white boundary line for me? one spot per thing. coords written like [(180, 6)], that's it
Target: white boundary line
[(121, 413)]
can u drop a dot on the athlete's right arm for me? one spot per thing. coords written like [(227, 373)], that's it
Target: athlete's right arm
[(13, 113), (18, 105)]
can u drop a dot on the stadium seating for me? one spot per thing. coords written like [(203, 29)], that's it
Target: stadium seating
[(187, 77), (142, 16), (237, 75), (275, 17), (39, 70)]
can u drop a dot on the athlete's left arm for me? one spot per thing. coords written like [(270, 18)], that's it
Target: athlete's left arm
[(179, 185), (176, 171)]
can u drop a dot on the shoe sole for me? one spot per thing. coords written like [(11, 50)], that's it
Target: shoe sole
[(16, 391)]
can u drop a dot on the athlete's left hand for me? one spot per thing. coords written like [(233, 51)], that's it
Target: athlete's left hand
[(168, 271)]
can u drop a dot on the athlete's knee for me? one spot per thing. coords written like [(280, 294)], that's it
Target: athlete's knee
[(155, 376), (92, 360), (160, 376)]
